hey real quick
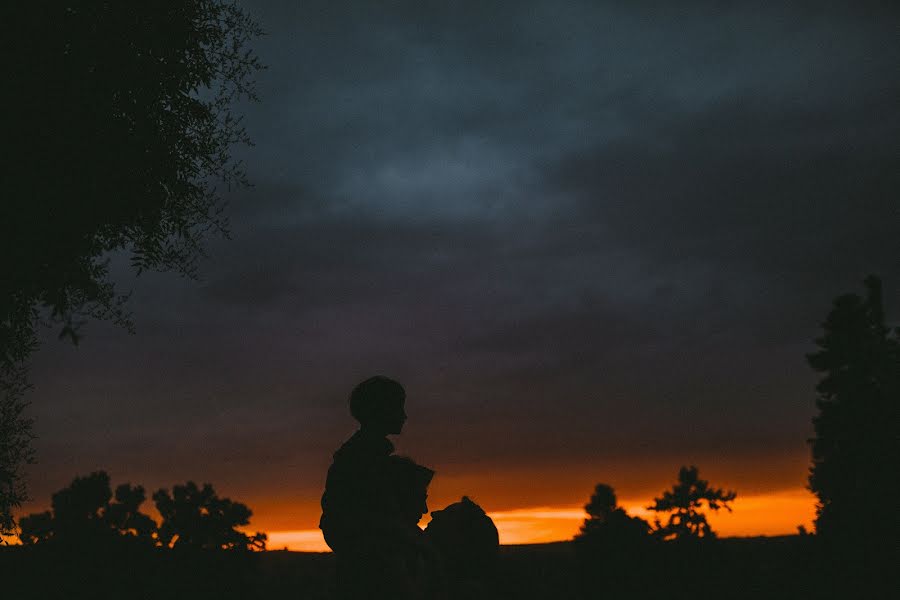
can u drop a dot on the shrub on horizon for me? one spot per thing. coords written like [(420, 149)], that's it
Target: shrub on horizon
[(197, 518), (685, 501), (88, 513)]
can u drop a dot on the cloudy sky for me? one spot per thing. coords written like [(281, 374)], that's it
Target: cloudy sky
[(594, 241)]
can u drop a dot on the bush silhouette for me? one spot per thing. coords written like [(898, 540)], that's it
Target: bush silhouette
[(96, 544), (609, 525), (36, 527), (84, 513), (684, 501), (196, 518), (124, 514), (609, 545), (193, 518)]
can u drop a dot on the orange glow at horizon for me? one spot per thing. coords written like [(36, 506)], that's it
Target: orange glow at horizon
[(775, 513)]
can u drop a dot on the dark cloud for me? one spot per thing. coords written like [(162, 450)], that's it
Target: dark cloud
[(577, 232)]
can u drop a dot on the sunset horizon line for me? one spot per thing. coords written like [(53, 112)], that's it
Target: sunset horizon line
[(771, 514)]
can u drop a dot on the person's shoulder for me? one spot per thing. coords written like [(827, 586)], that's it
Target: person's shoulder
[(361, 446)]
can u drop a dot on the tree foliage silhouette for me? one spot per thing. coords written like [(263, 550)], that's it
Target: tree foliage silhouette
[(856, 448), (124, 514), (685, 501), (15, 446), (84, 513), (36, 528), (120, 124), (609, 524), (609, 545), (196, 518), (88, 512)]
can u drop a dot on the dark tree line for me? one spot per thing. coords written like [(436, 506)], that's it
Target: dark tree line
[(684, 503), (855, 451), (855, 474), (88, 513), (612, 545)]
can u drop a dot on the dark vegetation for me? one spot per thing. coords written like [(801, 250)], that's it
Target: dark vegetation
[(88, 514), (122, 123), (856, 448), (94, 543), (120, 116)]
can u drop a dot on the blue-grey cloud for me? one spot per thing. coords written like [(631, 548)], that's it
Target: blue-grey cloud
[(573, 230)]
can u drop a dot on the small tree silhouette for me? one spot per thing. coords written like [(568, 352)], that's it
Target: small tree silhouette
[(78, 510), (197, 518), (603, 504), (83, 513), (684, 501), (608, 546), (608, 522)]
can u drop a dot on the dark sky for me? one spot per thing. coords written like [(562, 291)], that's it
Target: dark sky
[(594, 240)]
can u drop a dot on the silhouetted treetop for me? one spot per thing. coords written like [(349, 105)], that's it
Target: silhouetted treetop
[(608, 524), (684, 501), (36, 527), (195, 517), (123, 123), (84, 513), (856, 448), (603, 502), (87, 512), (124, 514), (80, 507), (609, 543)]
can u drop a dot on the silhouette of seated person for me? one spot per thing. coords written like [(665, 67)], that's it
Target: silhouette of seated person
[(422, 569), (360, 512), (356, 494), (468, 543)]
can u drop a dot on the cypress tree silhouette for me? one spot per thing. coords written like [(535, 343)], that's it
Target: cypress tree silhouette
[(856, 448)]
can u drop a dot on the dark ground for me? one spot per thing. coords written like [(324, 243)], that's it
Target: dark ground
[(758, 568)]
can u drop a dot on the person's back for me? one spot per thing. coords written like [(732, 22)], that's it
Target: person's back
[(353, 496)]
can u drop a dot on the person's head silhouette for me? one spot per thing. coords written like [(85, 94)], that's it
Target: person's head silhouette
[(466, 538), (410, 481), (378, 404)]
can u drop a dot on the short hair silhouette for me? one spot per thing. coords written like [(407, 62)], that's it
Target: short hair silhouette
[(373, 397), (466, 538)]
